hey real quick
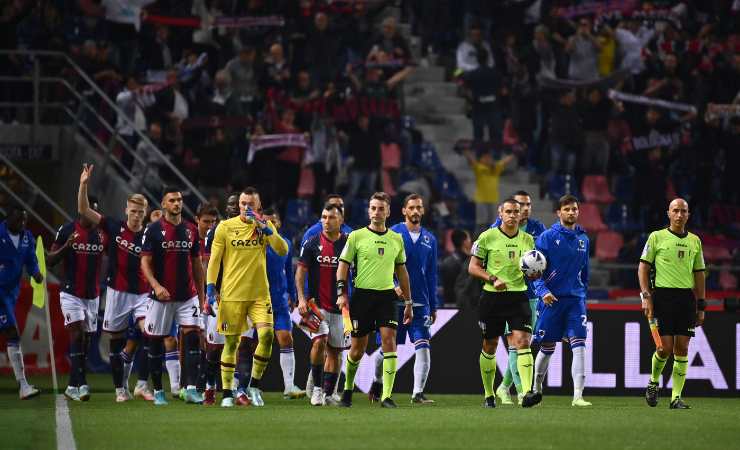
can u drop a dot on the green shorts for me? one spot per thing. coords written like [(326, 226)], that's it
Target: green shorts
[(533, 307)]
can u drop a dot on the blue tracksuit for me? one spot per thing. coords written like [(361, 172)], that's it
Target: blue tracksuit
[(535, 228), (282, 285), (421, 264), (12, 261), (566, 277)]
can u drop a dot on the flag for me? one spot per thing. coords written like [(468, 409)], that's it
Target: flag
[(39, 289)]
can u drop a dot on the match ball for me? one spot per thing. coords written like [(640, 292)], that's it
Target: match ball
[(532, 263)]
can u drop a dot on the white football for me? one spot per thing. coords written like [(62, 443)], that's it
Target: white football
[(532, 263)]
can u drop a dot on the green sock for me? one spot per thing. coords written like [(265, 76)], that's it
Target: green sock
[(389, 373), (525, 364), (487, 371), (658, 364), (680, 365), (512, 366), (350, 371)]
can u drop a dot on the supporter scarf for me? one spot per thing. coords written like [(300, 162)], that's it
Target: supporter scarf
[(563, 83), (642, 100), (720, 111), (221, 21), (275, 140), (595, 7)]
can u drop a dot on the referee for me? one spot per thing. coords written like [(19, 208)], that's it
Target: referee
[(376, 253), (677, 302)]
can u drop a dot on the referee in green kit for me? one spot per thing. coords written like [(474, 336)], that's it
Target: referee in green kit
[(677, 302), (377, 253)]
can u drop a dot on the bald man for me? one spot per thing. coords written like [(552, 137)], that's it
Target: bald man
[(676, 301)]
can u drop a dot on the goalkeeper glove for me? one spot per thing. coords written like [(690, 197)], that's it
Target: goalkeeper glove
[(210, 300)]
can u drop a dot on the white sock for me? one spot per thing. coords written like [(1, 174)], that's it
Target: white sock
[(142, 384), (173, 370), (309, 383), (422, 363), (126, 373), (287, 363), (340, 359), (378, 367), (15, 355), (577, 371), (540, 370)]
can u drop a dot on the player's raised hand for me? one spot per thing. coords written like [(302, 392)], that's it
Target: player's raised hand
[(302, 306), (549, 299), (342, 301), (86, 173), (161, 293)]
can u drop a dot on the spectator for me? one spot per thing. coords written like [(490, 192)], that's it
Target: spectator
[(213, 161), (583, 49), (467, 51), (288, 160), (132, 100), (160, 54), (543, 47), (364, 148), (595, 116), (172, 106), (452, 266), (277, 70), (322, 51), (391, 42), (148, 167), (631, 39), (224, 101), (486, 88), (565, 134), (323, 156), (245, 78), (303, 93), (487, 172)]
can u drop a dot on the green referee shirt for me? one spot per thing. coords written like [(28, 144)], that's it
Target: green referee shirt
[(501, 254), (375, 256), (675, 258)]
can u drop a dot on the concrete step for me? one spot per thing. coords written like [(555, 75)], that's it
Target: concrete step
[(434, 89), (422, 74)]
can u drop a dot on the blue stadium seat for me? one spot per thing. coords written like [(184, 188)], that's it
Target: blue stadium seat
[(624, 188), (619, 217), (298, 212), (559, 185)]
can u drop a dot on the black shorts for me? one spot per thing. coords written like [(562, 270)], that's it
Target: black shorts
[(499, 308), (370, 309), (675, 311)]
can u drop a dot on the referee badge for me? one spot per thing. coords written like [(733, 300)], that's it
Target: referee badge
[(381, 251), (680, 253)]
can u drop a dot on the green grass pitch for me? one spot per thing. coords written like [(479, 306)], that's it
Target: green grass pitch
[(455, 421)]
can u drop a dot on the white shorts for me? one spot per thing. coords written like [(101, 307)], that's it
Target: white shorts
[(119, 306), (211, 329), (333, 328), (75, 309), (161, 315)]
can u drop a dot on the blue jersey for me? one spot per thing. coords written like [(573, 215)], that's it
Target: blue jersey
[(566, 251), (317, 228), (13, 259), (421, 264), (535, 228), (280, 276)]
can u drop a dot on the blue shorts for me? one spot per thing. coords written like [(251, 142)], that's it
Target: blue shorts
[(8, 300), (563, 319), (417, 330), (281, 318)]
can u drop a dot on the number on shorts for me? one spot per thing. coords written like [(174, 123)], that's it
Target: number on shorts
[(583, 320), (195, 311)]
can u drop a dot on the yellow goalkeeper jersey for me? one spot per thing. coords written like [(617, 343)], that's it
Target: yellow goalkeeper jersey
[(240, 248)]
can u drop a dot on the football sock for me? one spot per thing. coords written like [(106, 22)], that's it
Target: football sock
[(261, 354), (350, 372), (202, 369), (127, 365), (142, 360), (541, 364), (422, 363), (228, 361), (244, 364), (116, 362), (85, 351), (317, 373), (657, 367), (525, 368), (76, 358), (287, 364), (508, 379), (213, 356), (15, 355), (390, 360), (156, 348), (577, 371), (172, 363), (487, 371), (680, 366), (378, 361), (191, 348), (513, 367), (330, 380), (340, 358)]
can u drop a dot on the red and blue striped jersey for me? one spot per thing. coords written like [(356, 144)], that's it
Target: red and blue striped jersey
[(172, 248), (82, 260), (320, 256), (124, 257)]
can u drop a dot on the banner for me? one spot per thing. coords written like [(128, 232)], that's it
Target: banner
[(649, 101), (341, 110), (220, 21), (258, 143), (721, 111), (595, 7), (564, 83)]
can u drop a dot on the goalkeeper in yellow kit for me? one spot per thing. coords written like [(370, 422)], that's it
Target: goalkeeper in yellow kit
[(239, 246)]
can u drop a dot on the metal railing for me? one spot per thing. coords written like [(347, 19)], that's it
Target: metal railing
[(81, 108)]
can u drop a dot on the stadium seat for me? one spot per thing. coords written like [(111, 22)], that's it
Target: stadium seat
[(358, 214), (298, 212), (306, 183), (727, 281), (390, 155), (449, 247), (590, 218), (608, 244), (717, 253), (387, 181), (619, 217), (559, 185), (595, 189), (624, 188)]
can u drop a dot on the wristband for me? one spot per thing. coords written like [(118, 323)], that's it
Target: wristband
[(341, 284), (701, 304), (408, 302)]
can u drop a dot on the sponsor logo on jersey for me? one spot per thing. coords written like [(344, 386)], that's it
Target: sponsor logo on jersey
[(87, 248), (331, 260), (130, 247), (256, 242), (168, 245)]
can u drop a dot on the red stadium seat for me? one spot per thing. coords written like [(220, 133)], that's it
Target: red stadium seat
[(388, 187), (717, 253), (391, 155), (590, 218), (608, 244), (727, 281), (596, 189), (449, 246), (306, 183)]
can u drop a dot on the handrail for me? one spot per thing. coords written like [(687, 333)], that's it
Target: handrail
[(33, 185), (115, 108), (27, 207)]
